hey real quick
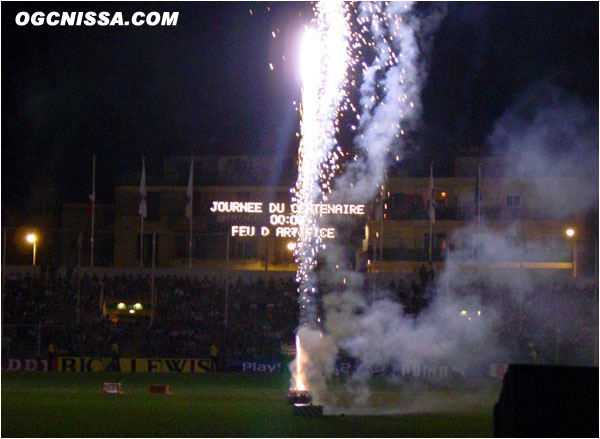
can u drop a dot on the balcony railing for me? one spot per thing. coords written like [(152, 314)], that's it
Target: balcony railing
[(454, 213), (440, 254)]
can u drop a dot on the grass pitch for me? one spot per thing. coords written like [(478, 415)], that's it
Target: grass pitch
[(220, 405)]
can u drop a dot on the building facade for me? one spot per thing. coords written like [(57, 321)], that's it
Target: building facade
[(513, 213), (251, 230)]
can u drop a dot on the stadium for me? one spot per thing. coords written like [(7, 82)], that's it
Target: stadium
[(328, 219)]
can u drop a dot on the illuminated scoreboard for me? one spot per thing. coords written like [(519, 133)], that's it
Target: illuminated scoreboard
[(279, 219)]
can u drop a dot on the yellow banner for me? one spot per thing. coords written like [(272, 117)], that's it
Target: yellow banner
[(103, 364)]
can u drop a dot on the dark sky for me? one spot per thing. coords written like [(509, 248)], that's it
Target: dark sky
[(205, 86)]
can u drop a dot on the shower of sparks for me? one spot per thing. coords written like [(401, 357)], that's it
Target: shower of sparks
[(324, 59), (344, 37), (370, 47)]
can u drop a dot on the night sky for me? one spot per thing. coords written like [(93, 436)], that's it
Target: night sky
[(205, 86)]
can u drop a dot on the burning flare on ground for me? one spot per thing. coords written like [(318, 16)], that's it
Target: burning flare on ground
[(299, 376)]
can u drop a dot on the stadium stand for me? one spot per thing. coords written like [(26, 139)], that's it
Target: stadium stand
[(263, 314)]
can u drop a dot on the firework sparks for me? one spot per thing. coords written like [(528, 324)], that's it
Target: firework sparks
[(324, 61), (369, 46), (330, 50)]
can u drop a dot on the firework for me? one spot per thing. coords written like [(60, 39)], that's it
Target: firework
[(324, 61), (299, 378), (376, 38), (299, 393)]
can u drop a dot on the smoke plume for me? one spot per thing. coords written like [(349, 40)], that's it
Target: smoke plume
[(459, 329), (390, 99), (549, 143)]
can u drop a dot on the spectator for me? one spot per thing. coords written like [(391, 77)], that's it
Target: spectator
[(115, 363), (51, 357), (214, 356)]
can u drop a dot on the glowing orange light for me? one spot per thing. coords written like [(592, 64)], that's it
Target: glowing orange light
[(443, 194), (299, 379)]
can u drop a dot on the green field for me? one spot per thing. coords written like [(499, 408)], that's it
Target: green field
[(218, 405)]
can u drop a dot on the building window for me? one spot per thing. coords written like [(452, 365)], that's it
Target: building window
[(244, 248), (243, 196), (283, 255), (513, 201), (198, 174), (153, 206), (236, 169), (183, 170), (209, 246), (439, 241), (406, 206), (439, 247), (147, 249), (441, 200), (181, 244)]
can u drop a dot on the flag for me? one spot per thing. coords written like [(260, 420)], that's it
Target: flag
[(190, 193), (431, 198), (142, 211)]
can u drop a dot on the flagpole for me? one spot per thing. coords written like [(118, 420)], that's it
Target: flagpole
[(227, 281), (478, 210), (142, 219), (430, 219), (430, 240), (152, 280), (93, 210), (380, 264), (191, 218), (78, 277), (141, 241), (3, 274), (381, 232), (374, 268), (479, 198)]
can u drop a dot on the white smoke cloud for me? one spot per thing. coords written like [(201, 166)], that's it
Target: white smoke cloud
[(458, 328), (390, 92), (380, 335), (549, 133)]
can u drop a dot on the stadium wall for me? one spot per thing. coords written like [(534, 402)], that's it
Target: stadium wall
[(24, 365), (201, 365), (134, 365)]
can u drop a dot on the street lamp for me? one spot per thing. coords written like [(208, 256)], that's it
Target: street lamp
[(31, 238), (570, 233), (291, 246)]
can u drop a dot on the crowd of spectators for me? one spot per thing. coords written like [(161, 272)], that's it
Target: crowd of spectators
[(553, 324), (190, 316), (80, 317)]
